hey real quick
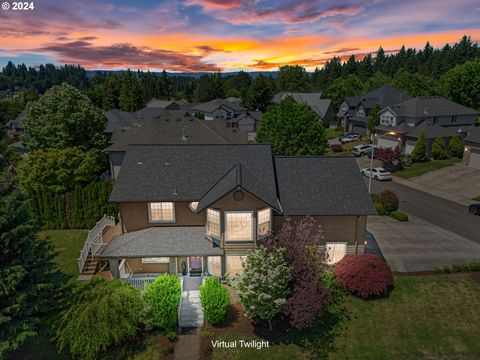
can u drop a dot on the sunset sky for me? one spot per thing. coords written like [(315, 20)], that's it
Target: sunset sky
[(231, 35)]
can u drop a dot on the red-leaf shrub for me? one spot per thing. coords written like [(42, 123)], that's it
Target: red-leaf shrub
[(363, 275), (389, 201), (389, 157)]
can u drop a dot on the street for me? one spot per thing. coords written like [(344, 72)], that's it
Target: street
[(443, 213)]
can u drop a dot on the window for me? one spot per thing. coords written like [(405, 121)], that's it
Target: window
[(238, 225), (234, 264), (193, 206), (156, 260), (454, 118), (213, 223), (214, 265), (435, 119), (335, 252), (264, 222), (161, 212)]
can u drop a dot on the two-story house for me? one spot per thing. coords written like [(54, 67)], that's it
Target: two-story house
[(197, 209), (433, 116), (471, 151), (355, 110), (320, 106)]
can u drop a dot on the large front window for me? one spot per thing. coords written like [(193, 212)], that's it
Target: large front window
[(161, 211), (213, 223), (264, 222), (238, 226)]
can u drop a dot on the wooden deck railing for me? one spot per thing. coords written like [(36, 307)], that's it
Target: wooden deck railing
[(94, 244)]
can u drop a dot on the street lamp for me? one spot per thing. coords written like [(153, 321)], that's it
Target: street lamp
[(375, 137)]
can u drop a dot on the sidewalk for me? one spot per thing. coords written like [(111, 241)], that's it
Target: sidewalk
[(459, 199)]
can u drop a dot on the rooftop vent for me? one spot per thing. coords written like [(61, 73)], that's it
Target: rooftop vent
[(184, 135), (174, 192), (140, 162), (167, 163)]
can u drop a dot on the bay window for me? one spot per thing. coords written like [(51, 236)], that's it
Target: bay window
[(161, 211), (264, 222), (238, 226), (213, 223)]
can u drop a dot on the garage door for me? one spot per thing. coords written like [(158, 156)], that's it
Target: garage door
[(387, 143), (409, 146), (357, 129), (474, 160)]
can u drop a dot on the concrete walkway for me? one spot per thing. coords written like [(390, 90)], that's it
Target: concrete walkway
[(191, 311), (187, 347), (418, 245)]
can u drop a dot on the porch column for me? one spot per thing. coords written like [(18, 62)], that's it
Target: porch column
[(172, 265), (205, 265), (223, 266), (114, 268)]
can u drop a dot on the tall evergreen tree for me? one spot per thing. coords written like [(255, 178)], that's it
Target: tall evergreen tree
[(30, 286)]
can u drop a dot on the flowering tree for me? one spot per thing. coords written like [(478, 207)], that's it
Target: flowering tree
[(303, 244), (263, 286), (389, 157)]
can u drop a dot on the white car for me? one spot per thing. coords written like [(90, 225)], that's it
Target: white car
[(361, 149), (349, 138), (377, 173)]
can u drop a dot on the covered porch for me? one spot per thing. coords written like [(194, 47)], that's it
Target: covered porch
[(141, 256)]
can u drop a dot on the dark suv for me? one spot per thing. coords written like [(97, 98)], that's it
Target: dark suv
[(474, 209)]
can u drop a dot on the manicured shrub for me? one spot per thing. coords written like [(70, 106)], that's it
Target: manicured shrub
[(474, 266), (363, 275), (102, 314), (378, 205), (162, 297), (215, 300), (389, 201), (418, 153), (328, 281), (455, 147), (439, 151), (399, 215)]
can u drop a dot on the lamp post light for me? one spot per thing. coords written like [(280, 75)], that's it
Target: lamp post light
[(375, 137)]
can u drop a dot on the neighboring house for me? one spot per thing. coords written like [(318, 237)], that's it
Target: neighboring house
[(355, 110), (183, 130), (432, 115), (18, 147), (471, 152), (14, 128), (322, 107), (220, 109), (246, 122), (198, 209), (166, 104)]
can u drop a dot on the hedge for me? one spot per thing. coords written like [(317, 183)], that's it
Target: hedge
[(215, 300), (459, 268), (162, 297), (78, 209), (399, 215)]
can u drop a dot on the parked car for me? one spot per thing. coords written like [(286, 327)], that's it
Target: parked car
[(377, 173), (349, 138), (474, 209), (361, 149)]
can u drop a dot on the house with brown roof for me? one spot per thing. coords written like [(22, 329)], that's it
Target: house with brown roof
[(194, 210)]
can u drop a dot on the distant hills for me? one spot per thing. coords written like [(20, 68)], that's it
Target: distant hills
[(253, 74)]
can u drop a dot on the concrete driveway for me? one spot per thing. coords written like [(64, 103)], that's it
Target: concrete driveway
[(418, 245), (459, 180)]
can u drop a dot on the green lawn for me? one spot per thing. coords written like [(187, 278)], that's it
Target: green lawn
[(417, 169), (68, 244), (332, 133), (424, 317)]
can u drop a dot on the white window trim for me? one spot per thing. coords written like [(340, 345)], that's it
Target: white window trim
[(258, 223), (219, 224), (252, 229), (335, 243), (158, 261), (160, 221)]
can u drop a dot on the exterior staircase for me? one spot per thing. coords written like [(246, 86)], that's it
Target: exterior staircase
[(191, 311), (91, 265)]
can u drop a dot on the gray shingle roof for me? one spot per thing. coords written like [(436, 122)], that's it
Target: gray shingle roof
[(239, 177), (179, 131), (17, 122), (162, 241), (431, 131), (212, 105), (473, 136), (321, 186), (153, 172), (428, 106), (385, 95), (317, 104)]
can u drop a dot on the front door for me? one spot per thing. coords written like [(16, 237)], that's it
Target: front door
[(195, 265)]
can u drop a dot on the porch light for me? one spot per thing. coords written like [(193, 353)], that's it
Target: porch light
[(392, 133), (193, 206), (466, 148)]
